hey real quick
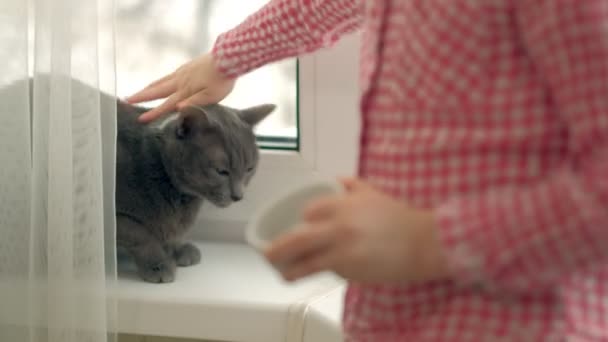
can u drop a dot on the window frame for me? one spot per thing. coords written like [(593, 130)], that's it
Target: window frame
[(328, 122)]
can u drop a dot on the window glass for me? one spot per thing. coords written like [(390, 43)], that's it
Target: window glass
[(153, 37)]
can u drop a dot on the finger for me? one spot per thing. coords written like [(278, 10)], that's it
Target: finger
[(199, 99), (354, 184), (166, 107), (297, 244), (348, 182), (322, 208), (158, 91), (324, 260)]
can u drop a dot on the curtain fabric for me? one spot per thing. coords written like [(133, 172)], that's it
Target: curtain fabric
[(57, 143)]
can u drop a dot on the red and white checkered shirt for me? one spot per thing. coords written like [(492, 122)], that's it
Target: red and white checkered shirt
[(495, 114)]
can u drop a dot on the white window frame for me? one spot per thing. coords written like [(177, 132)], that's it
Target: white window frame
[(329, 139)]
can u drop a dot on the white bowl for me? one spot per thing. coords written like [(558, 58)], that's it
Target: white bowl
[(284, 213)]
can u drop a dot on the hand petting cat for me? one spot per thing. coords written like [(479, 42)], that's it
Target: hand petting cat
[(198, 82), (364, 236)]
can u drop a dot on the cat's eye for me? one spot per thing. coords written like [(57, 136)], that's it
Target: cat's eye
[(250, 169), (222, 172)]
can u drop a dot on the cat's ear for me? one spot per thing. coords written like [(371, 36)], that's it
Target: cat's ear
[(254, 115), (190, 120)]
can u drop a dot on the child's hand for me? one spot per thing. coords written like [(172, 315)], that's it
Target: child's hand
[(363, 236), (198, 82)]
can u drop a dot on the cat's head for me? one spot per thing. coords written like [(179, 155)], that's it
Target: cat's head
[(211, 152)]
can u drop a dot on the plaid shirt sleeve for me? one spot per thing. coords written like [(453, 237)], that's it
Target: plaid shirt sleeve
[(285, 28), (517, 238)]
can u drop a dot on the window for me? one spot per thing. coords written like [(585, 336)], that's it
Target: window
[(314, 131), (156, 36)]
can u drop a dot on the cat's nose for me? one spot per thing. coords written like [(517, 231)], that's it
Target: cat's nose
[(236, 198)]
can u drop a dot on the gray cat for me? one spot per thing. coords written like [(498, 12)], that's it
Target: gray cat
[(165, 172)]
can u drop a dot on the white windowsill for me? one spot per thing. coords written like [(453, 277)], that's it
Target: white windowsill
[(232, 295)]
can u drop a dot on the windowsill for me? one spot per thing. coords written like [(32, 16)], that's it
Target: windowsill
[(232, 295)]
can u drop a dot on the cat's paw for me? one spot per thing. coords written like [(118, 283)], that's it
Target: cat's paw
[(187, 255), (162, 272)]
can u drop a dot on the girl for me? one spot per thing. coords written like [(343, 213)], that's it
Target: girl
[(482, 209)]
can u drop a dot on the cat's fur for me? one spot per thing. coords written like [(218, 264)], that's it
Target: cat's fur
[(165, 172)]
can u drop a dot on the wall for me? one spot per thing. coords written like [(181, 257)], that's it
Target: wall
[(139, 338)]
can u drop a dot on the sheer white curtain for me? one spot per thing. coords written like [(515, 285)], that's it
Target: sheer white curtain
[(57, 131)]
